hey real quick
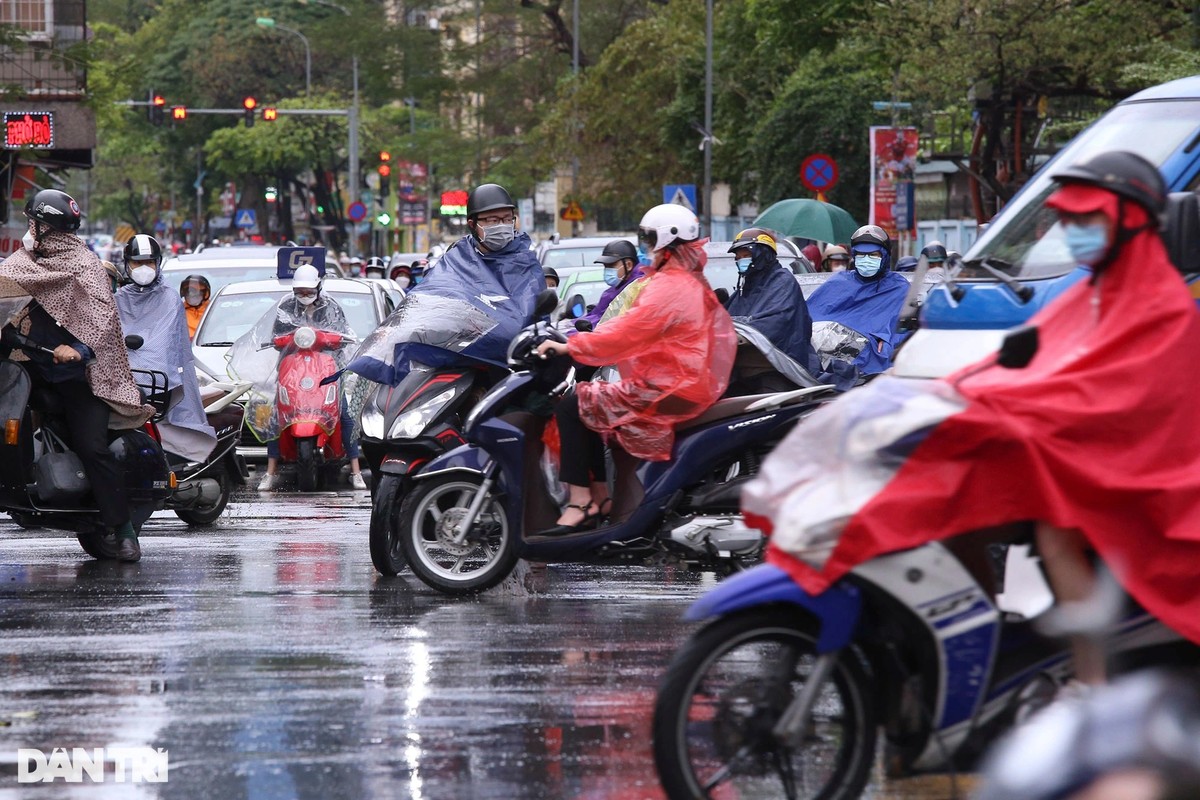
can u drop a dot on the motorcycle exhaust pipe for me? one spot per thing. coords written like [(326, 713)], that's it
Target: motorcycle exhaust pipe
[(199, 491)]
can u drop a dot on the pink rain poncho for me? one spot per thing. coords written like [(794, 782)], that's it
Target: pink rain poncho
[(674, 349)]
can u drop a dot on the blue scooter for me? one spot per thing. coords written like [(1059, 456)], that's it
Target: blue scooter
[(464, 523)]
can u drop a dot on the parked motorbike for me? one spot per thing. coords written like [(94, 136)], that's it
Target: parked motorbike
[(464, 522), (783, 692), (204, 488), (42, 483)]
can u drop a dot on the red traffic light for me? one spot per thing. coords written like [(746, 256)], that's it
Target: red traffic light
[(384, 155), (385, 170), (159, 100), (270, 114), (249, 103), (179, 112)]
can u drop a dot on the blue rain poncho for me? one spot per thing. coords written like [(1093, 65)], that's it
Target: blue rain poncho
[(870, 308), (466, 310), (769, 299)]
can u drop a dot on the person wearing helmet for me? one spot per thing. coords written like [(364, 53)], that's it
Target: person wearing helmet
[(309, 306), (491, 217), (837, 258), (376, 268), (769, 299), (1092, 438), (355, 268), (551, 277), (196, 292), (862, 304), (674, 349), (149, 308), (622, 268), (73, 313), (936, 255), (402, 275)]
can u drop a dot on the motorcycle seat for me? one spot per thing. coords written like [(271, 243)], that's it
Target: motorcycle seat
[(723, 409)]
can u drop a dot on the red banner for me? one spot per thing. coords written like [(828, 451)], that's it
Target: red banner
[(893, 164)]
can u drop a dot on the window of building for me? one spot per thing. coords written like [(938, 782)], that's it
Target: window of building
[(36, 17)]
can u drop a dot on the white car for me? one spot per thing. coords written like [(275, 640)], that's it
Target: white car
[(236, 307), (221, 266)]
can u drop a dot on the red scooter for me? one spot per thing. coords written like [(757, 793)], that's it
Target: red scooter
[(309, 414)]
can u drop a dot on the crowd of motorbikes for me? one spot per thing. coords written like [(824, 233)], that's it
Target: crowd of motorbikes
[(782, 693)]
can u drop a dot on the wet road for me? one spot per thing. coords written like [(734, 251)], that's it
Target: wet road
[(271, 661)]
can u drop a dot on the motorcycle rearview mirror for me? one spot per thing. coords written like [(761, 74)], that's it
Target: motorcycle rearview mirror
[(547, 301), (134, 342), (576, 306), (1019, 348)]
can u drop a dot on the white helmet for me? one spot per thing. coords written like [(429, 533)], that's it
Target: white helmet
[(306, 277), (664, 225)]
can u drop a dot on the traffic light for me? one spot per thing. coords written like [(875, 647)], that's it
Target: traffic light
[(384, 218), (157, 102), (178, 113), (270, 114), (270, 194), (249, 103)]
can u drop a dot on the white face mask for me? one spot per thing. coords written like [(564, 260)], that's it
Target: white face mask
[(403, 282), (29, 241), (306, 300), (143, 276)]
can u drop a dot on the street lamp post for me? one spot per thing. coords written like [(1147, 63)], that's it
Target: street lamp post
[(708, 121), (269, 22)]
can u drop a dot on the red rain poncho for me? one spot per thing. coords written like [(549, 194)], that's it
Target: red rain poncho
[(1100, 432), (674, 348)]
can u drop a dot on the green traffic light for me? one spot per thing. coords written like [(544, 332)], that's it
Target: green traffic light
[(384, 218)]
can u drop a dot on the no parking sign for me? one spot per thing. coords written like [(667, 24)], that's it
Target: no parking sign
[(818, 172)]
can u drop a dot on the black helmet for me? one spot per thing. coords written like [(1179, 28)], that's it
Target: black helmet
[(143, 247), (1122, 173), (870, 234), (617, 250), (198, 281), (488, 197), (550, 272), (57, 209), (754, 236), (934, 252)]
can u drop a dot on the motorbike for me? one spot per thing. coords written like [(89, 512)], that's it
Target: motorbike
[(42, 483), (204, 488), (784, 691), (308, 414), (464, 522)]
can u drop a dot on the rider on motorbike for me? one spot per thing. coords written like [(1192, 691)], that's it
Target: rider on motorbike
[(866, 300), (1092, 436), (674, 349), (73, 314), (151, 309), (769, 299), (622, 267), (308, 306)]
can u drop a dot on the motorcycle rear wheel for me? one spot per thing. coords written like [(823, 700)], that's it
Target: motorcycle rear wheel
[(100, 546), (206, 515), (722, 695), (387, 549), (308, 471), (428, 516)]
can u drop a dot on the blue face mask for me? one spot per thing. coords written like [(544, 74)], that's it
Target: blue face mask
[(611, 277), (742, 264), (1087, 243), (868, 265)]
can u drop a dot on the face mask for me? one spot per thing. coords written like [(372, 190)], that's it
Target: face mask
[(403, 282), (29, 241), (497, 237), (868, 266), (143, 276), (611, 276), (742, 264), (194, 298), (1087, 243), (418, 279), (306, 299)]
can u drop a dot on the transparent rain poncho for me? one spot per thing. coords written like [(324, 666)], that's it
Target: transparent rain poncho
[(254, 357)]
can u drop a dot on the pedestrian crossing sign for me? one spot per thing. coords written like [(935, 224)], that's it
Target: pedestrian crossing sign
[(680, 194)]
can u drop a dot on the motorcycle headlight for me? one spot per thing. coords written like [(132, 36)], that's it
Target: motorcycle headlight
[(410, 424), (305, 338), (371, 421)]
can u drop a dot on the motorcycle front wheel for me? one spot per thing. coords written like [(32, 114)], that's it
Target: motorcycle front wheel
[(307, 469), (429, 517), (725, 690), (387, 550)]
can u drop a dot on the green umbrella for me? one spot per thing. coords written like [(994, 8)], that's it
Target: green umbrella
[(809, 219)]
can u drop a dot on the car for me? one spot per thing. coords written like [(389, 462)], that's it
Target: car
[(237, 306), (566, 256), (225, 265)]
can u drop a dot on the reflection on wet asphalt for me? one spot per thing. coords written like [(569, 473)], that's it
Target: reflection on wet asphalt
[(271, 661)]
